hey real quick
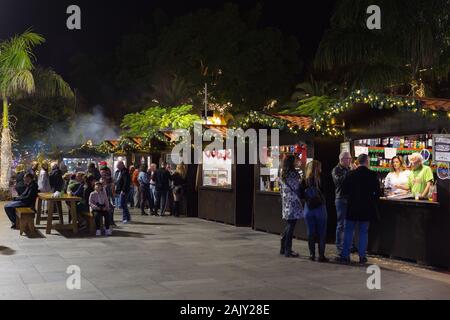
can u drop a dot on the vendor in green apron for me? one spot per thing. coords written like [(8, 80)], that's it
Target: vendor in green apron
[(421, 178)]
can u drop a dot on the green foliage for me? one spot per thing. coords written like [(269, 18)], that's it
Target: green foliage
[(16, 63), (413, 43), (242, 64), (167, 62), (150, 122), (312, 106), (41, 96)]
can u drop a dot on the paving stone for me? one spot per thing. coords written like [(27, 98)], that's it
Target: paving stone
[(189, 258)]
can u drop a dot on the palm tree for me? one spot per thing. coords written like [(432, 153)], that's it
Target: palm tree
[(19, 77), (412, 45), (316, 88)]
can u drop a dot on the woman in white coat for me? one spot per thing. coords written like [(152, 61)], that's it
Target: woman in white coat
[(44, 183)]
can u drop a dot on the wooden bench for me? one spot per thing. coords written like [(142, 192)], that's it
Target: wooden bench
[(24, 219)]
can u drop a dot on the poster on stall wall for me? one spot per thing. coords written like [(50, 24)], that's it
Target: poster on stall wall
[(345, 147), (389, 153), (441, 147), (443, 171), (361, 150)]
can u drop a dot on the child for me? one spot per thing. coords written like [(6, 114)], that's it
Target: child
[(99, 204)]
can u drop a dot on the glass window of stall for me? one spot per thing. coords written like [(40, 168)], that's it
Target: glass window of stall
[(270, 171), (217, 168)]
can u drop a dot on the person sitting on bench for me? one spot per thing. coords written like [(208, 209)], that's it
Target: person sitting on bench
[(99, 203), (26, 200)]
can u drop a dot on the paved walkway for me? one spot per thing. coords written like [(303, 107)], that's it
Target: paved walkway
[(188, 258)]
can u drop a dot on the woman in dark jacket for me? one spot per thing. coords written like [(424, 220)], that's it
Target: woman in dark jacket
[(179, 182)]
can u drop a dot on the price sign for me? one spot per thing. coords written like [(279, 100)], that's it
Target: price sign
[(361, 150), (389, 153), (441, 147)]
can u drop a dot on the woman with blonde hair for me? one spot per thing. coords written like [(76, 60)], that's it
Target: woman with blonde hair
[(315, 210), (179, 183)]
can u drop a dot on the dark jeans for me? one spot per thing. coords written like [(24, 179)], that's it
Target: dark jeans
[(146, 198), (98, 216), (288, 234), (316, 223), (341, 212), (161, 197), (350, 226), (10, 209), (125, 212), (130, 197)]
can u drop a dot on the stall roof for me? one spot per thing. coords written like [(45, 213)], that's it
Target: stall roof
[(435, 104), (299, 121), (114, 143), (221, 129)]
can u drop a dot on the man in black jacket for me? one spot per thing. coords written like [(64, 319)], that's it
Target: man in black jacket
[(162, 187), (362, 189), (55, 178), (123, 184), (26, 200)]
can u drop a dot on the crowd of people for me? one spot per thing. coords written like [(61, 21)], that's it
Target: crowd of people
[(101, 192), (357, 190)]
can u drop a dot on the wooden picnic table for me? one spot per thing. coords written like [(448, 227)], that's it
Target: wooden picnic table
[(71, 200)]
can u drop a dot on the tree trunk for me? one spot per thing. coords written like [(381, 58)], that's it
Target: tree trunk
[(6, 151)]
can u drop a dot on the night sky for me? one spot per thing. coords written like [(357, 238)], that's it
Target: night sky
[(105, 22)]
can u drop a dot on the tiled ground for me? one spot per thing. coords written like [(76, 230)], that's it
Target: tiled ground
[(188, 258)]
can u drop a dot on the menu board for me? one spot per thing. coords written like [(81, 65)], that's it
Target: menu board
[(441, 147), (345, 147), (217, 168), (361, 150)]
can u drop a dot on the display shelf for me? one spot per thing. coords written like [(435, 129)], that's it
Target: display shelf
[(385, 169), (399, 150)]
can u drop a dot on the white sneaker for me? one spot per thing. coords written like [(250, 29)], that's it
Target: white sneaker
[(125, 221), (108, 232), (98, 233)]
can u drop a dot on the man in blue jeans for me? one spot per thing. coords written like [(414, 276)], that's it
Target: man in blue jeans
[(123, 183), (362, 188), (339, 173)]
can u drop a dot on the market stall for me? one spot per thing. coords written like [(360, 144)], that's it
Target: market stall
[(408, 227), (82, 156), (224, 187), (306, 145)]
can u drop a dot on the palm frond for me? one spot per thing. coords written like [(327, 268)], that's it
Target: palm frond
[(51, 84), (20, 81)]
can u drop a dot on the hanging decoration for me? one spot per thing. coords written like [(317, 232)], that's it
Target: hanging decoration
[(323, 123)]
